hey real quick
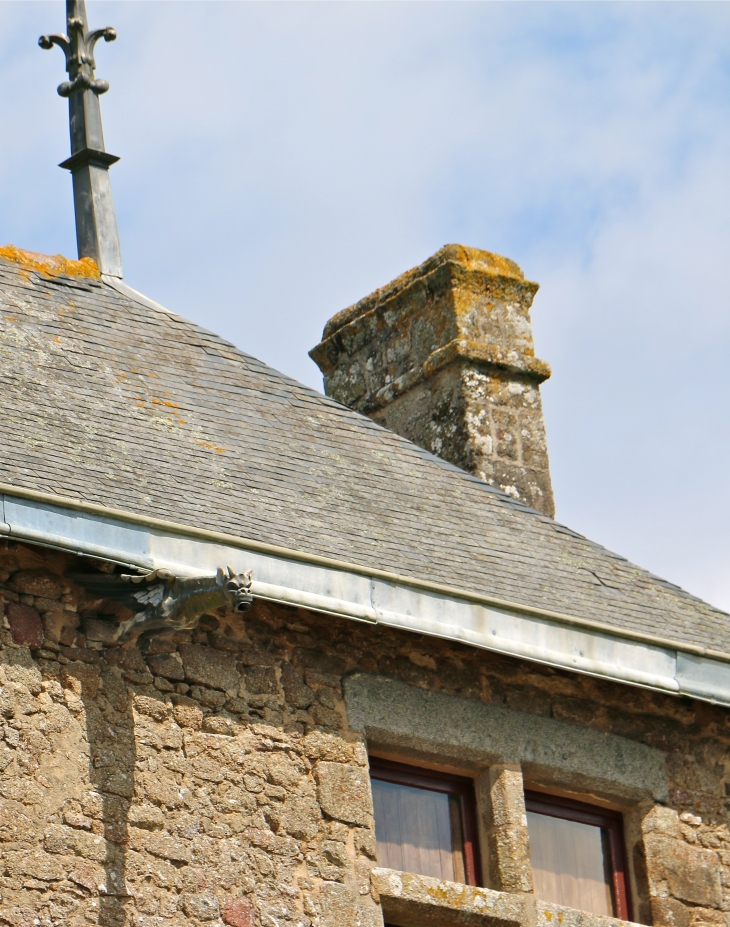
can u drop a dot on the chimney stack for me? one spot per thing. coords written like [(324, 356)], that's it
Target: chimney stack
[(444, 356)]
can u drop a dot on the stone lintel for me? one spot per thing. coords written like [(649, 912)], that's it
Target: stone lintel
[(466, 734)]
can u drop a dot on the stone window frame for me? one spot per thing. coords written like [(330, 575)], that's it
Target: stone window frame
[(505, 751)]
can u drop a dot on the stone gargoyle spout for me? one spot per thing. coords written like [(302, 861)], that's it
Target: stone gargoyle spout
[(162, 601), (172, 602)]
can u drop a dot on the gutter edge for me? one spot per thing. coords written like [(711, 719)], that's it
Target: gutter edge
[(370, 572)]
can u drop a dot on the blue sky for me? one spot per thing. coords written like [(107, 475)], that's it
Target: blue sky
[(281, 160)]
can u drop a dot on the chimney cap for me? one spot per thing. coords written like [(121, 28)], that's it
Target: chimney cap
[(470, 259)]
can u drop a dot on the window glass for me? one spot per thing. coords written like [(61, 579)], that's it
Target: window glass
[(419, 830), (570, 863), (578, 857)]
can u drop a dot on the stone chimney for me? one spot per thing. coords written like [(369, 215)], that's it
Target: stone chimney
[(444, 356)]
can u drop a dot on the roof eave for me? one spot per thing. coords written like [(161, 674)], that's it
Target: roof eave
[(360, 593)]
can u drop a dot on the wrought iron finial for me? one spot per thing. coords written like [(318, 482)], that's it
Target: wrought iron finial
[(78, 47), (97, 235)]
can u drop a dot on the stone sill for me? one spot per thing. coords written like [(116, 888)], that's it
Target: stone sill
[(418, 901)]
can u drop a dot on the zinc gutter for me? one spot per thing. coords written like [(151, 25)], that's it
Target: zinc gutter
[(343, 566)]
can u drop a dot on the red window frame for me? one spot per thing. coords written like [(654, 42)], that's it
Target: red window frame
[(611, 821), (461, 787)]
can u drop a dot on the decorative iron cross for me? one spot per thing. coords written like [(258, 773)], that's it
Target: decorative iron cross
[(78, 47), (97, 235)]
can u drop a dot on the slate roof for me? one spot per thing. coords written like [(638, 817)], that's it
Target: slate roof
[(107, 400)]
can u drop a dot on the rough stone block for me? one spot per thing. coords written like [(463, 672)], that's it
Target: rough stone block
[(214, 724), (103, 631), (146, 816), (36, 865), (282, 771), (296, 693), (60, 626), (214, 669), (300, 817), (662, 820), (188, 714), (338, 906), (164, 664), (25, 624), (87, 875), (167, 847), (38, 582), (692, 873), (202, 906), (344, 792), (239, 912), (316, 660)]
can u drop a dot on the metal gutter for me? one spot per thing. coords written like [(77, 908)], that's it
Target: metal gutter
[(364, 594)]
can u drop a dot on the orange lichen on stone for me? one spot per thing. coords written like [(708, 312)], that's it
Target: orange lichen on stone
[(55, 265)]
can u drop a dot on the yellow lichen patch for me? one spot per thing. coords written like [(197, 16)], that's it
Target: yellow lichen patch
[(50, 265), (211, 447)]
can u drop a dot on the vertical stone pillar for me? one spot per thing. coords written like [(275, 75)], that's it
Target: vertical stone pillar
[(504, 826), (444, 356)]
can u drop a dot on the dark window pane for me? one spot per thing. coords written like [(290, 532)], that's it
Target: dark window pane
[(570, 863), (418, 830)]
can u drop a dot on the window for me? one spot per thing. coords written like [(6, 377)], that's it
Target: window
[(577, 855), (425, 822)]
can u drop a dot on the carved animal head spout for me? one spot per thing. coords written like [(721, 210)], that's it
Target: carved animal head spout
[(163, 601), (240, 585)]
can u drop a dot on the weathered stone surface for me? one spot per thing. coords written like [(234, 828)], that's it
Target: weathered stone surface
[(444, 356), (239, 912), (416, 898), (338, 906), (550, 915), (164, 664), (344, 792), (504, 820), (131, 806), (261, 680), (208, 667), (102, 631), (296, 692), (691, 873), (203, 906), (38, 582), (59, 626), (25, 624), (147, 816), (36, 865), (300, 817)]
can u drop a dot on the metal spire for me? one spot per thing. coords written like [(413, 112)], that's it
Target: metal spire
[(97, 235)]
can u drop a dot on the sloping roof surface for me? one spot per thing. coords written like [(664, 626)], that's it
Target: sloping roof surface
[(109, 401)]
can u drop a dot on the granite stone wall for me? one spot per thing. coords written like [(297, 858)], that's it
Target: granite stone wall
[(216, 778)]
